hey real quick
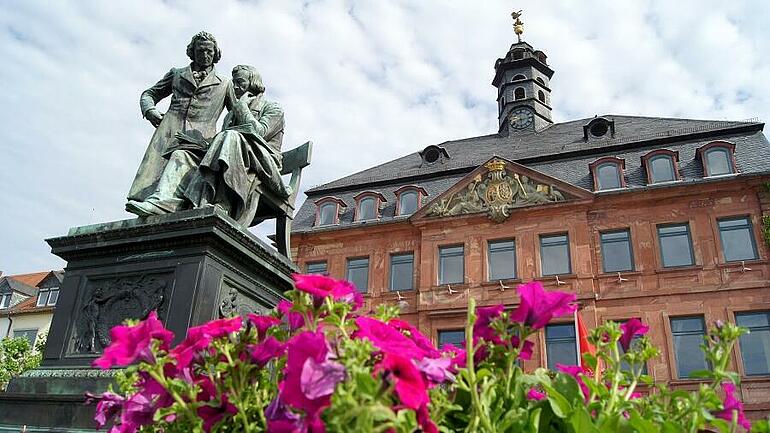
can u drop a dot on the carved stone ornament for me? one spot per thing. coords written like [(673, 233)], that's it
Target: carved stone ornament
[(496, 194), (108, 302), (235, 304)]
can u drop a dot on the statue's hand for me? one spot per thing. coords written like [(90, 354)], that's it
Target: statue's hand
[(154, 116)]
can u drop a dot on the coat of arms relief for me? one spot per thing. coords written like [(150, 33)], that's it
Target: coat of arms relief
[(496, 193)]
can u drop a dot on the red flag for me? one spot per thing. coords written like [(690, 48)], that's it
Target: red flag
[(583, 345)]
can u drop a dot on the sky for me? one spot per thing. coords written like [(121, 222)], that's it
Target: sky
[(366, 81)]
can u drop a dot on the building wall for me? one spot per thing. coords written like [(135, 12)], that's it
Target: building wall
[(39, 321), (711, 287)]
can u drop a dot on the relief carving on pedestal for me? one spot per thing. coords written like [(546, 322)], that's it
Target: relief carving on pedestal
[(108, 302), (496, 194), (234, 303)]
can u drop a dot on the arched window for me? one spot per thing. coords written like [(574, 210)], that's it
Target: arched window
[(608, 173), (541, 96), (540, 80), (519, 93), (717, 158), (661, 166), (368, 205), (409, 199), (518, 77), (328, 210)]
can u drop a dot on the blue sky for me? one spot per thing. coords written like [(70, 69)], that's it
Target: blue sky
[(367, 81)]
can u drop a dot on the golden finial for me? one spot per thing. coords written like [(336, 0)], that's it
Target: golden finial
[(518, 26)]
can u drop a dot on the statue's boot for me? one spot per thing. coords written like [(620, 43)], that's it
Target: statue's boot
[(143, 208)]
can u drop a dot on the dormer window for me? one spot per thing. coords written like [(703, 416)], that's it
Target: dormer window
[(598, 127), (717, 158), (409, 199), (518, 77), (47, 296), (328, 210), (661, 166), (608, 173), (433, 154), (368, 205), (5, 300)]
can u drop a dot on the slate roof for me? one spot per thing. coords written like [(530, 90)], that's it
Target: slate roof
[(559, 150)]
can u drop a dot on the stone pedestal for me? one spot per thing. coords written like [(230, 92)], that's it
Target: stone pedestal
[(190, 267)]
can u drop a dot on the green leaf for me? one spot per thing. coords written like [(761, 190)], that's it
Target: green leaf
[(642, 425), (559, 404), (701, 374), (581, 421)]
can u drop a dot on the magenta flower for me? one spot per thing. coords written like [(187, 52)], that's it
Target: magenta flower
[(407, 380), (216, 408), (436, 370), (129, 344), (319, 379), (386, 338), (108, 407), (416, 336), (731, 404), (576, 371), (294, 319), (199, 338), (423, 419), (631, 329), (456, 354), (320, 286), (280, 418), (262, 324), (138, 411), (526, 348), (482, 328), (301, 348), (265, 351), (538, 307), (535, 395)]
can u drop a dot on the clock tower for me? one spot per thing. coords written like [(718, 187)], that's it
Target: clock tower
[(522, 79)]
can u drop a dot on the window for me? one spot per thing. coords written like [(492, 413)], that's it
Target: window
[(661, 169), (47, 296), (501, 260), (455, 337), (607, 176), (717, 158), (316, 268), (29, 334), (519, 93), (755, 346), (737, 238), (540, 80), (5, 300), (688, 335), (554, 254), (328, 214), (358, 273), (623, 364), (366, 209), (409, 199), (541, 96), (560, 345), (616, 251), (518, 77), (675, 245), (451, 265), (401, 271)]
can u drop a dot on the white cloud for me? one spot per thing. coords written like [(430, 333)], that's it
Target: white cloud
[(367, 81)]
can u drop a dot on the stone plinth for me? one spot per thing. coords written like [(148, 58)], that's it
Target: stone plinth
[(190, 267)]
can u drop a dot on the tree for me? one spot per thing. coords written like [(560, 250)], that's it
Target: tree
[(17, 356)]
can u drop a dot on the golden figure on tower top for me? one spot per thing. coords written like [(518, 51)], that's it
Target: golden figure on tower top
[(518, 26)]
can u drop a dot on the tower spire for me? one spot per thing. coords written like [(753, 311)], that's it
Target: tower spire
[(518, 25)]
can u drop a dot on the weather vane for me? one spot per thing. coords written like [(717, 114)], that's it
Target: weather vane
[(518, 26)]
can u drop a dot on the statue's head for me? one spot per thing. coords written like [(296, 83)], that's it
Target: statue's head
[(203, 49), (247, 79)]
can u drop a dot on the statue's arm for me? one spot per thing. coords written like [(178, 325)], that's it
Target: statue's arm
[(154, 94), (270, 122)]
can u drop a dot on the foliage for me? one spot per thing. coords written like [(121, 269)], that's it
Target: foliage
[(317, 365), (18, 356)]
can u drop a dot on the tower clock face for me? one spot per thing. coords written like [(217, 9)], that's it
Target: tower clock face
[(521, 118)]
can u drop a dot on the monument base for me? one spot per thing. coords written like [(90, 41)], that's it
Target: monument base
[(190, 267)]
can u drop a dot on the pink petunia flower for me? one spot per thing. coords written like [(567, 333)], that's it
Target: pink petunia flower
[(577, 372), (423, 419), (108, 407), (526, 348), (216, 408), (200, 337), (731, 404), (321, 286), (538, 306), (437, 370), (138, 411), (631, 328), (535, 395), (319, 379), (262, 324), (416, 336), (129, 344), (265, 351), (387, 338), (482, 328), (293, 319), (301, 348), (407, 380)]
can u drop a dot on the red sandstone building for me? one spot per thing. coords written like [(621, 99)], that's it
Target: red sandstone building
[(655, 218)]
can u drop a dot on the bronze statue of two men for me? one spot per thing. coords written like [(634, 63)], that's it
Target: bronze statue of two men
[(187, 163)]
